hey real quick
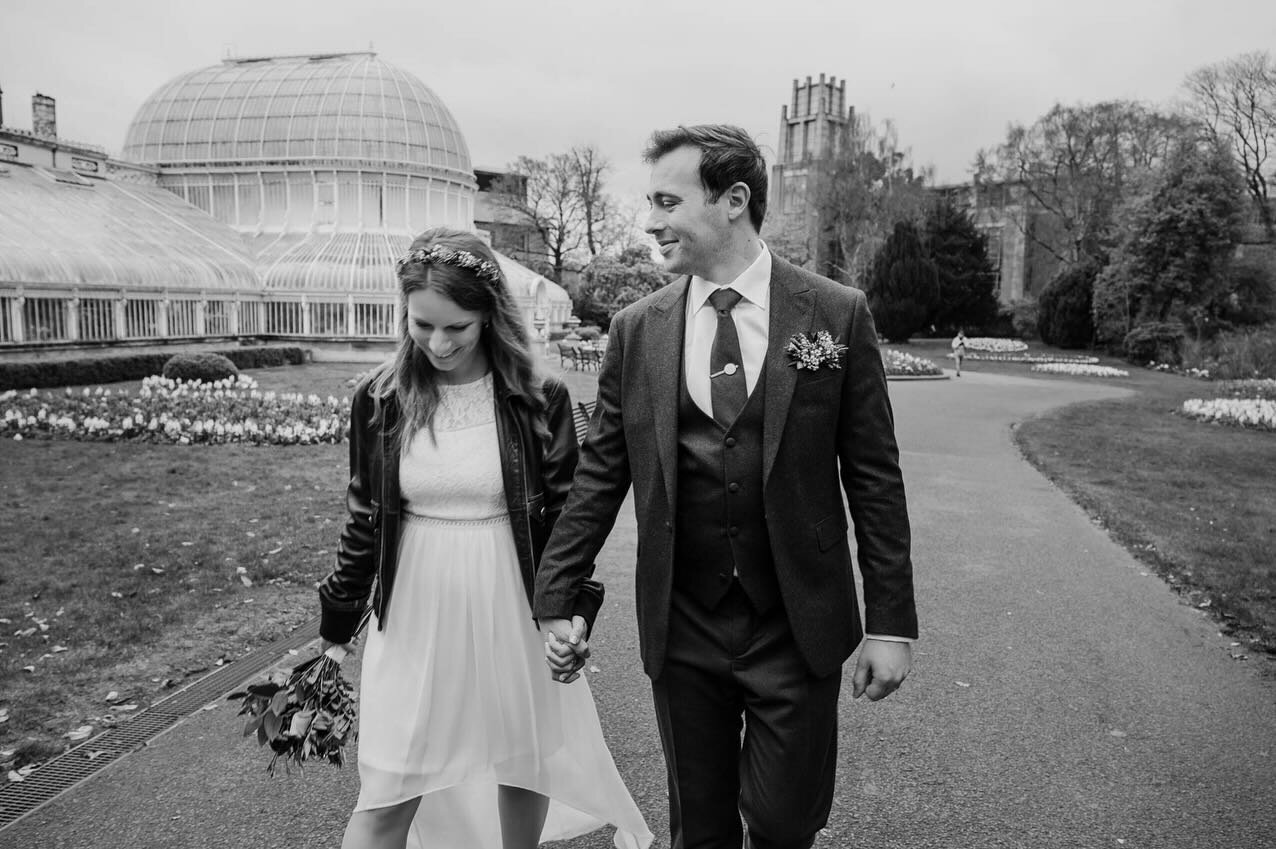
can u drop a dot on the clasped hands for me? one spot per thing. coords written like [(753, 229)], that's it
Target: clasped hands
[(566, 648)]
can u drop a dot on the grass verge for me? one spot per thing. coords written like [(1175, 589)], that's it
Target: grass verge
[(122, 566)]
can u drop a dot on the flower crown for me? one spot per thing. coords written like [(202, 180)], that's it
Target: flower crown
[(439, 255)]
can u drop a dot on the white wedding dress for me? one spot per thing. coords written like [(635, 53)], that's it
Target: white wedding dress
[(456, 697)]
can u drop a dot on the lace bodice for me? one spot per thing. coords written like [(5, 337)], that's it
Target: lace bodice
[(456, 474)]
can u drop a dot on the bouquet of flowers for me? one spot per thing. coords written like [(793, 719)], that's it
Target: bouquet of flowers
[(307, 713)]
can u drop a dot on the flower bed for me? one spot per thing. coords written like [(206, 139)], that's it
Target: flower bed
[(1198, 373), (1080, 359), (1080, 370), (1257, 388), (1257, 413), (899, 364), (995, 346), (173, 411)]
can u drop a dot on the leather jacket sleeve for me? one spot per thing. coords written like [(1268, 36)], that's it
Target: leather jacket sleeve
[(344, 593), (558, 467)]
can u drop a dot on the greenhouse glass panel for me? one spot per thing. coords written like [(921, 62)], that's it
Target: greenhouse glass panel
[(274, 201), (141, 319), (181, 318), (44, 319), (248, 193), (348, 200), (217, 316), (96, 320)]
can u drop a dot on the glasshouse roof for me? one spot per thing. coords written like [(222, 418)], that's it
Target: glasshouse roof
[(364, 262), (59, 230), (349, 106)]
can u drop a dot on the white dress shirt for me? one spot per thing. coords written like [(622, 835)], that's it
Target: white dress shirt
[(752, 320)]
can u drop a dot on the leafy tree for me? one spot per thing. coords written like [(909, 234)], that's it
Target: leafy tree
[(1235, 100), (609, 284), (1078, 164), (967, 279), (902, 284), (1183, 236), (1063, 309)]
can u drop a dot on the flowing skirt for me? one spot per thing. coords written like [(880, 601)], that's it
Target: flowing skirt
[(456, 699)]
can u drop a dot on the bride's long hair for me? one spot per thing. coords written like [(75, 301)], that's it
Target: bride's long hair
[(504, 337)]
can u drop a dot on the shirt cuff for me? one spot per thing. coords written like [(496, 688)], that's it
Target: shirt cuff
[(889, 638)]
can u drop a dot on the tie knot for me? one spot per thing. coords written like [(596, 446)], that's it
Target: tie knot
[(725, 299)]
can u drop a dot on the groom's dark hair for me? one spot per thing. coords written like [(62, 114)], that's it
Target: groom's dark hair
[(727, 156)]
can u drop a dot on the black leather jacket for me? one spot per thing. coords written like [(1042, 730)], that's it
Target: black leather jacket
[(536, 484)]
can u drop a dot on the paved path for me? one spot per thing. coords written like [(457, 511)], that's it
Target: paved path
[(1060, 698)]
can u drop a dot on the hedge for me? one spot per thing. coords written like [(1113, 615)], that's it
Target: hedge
[(43, 374)]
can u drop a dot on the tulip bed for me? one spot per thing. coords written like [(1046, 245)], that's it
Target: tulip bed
[(1259, 413), (179, 412), (899, 364), (1080, 370), (994, 345)]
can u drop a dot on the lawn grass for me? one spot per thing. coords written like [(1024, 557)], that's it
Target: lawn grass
[(124, 558)]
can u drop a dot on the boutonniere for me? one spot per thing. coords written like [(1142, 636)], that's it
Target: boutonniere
[(814, 350)]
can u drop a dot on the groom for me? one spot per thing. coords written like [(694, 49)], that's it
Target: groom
[(735, 447)]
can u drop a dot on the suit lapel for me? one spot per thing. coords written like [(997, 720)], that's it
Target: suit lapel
[(664, 335), (792, 310)]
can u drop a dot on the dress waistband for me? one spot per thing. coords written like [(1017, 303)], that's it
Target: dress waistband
[(421, 519)]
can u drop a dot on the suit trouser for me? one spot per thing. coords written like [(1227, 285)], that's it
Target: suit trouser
[(729, 668)]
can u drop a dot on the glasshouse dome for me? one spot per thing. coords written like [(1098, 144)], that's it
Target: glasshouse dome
[(285, 144)]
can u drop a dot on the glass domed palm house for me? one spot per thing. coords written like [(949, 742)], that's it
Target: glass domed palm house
[(313, 174)]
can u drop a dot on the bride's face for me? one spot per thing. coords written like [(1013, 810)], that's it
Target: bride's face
[(448, 335)]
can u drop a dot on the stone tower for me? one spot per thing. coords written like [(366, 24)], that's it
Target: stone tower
[(813, 127)]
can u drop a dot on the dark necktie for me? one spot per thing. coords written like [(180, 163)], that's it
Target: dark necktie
[(728, 390)]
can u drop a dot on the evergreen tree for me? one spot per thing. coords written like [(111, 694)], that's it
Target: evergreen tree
[(903, 285), (967, 279)]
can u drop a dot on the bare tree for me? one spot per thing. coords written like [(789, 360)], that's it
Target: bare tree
[(590, 167), (860, 194), (1236, 102), (549, 198)]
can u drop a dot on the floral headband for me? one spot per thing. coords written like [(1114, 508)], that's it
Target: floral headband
[(439, 255)]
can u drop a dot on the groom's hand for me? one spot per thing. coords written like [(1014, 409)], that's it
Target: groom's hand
[(882, 667), (565, 647)]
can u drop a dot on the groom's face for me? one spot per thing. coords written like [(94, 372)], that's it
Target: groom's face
[(690, 231)]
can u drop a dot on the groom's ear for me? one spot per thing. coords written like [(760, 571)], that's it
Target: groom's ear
[(737, 198)]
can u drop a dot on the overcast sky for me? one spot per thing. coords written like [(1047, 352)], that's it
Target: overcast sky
[(538, 77)]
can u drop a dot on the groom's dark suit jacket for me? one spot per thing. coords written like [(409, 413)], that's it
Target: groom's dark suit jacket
[(819, 426)]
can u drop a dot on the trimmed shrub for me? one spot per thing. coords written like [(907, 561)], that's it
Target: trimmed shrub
[(1063, 310), (589, 333), (43, 374), (1160, 342), (205, 367)]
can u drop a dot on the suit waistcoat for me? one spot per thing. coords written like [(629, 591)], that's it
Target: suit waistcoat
[(721, 528)]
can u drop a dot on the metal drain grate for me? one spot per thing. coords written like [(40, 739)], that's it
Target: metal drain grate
[(52, 779)]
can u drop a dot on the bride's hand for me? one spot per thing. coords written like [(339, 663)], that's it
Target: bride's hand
[(338, 656), (566, 648)]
